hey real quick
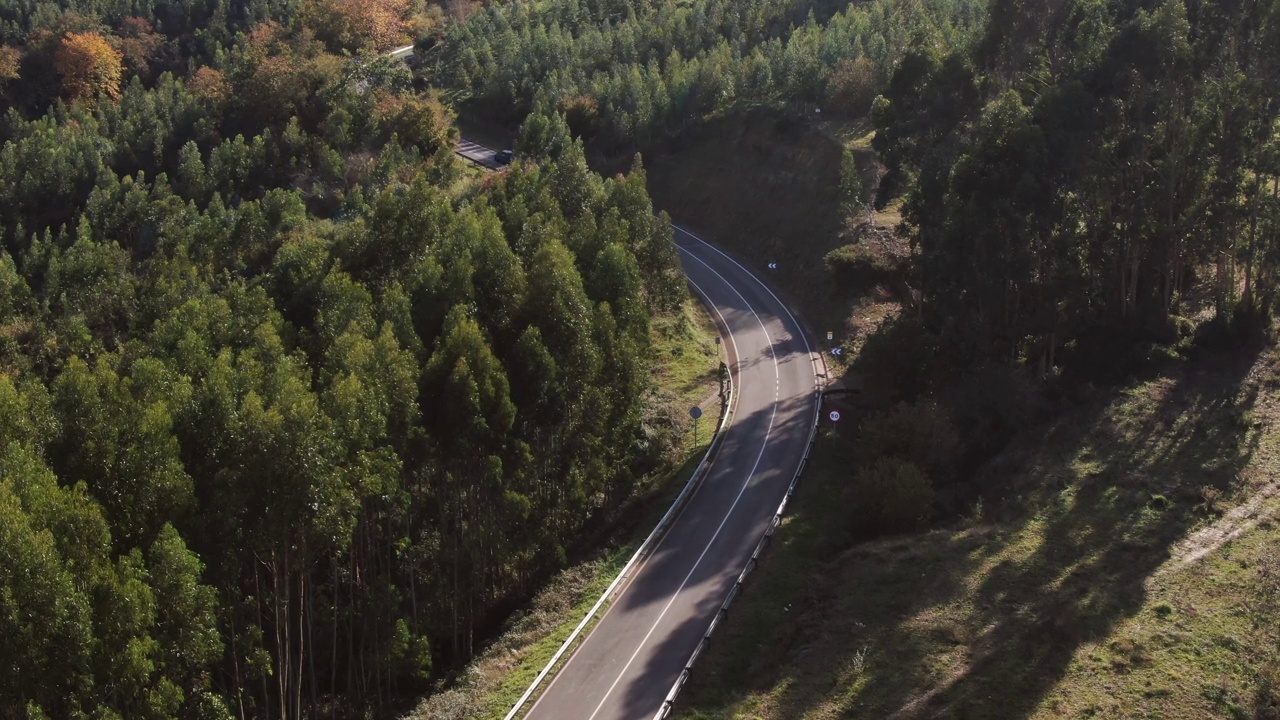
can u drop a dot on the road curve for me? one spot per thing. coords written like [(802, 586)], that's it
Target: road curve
[(626, 666)]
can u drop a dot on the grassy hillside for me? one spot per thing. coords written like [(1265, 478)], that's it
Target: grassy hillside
[(1111, 568), (1127, 568)]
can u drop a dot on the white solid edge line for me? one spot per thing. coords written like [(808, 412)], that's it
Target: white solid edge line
[(728, 513), (666, 533), (761, 283), (667, 520)]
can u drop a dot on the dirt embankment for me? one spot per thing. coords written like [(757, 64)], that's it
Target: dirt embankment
[(766, 188)]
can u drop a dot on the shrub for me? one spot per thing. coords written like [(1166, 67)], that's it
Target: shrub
[(900, 358), (920, 433), (582, 113), (1211, 498), (992, 404), (890, 495), (1233, 328), (860, 263), (422, 121), (852, 87), (1267, 702)]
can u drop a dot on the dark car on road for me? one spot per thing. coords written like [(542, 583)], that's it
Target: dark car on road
[(503, 157)]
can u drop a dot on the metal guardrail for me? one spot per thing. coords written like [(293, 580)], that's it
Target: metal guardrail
[(726, 407), (723, 612)]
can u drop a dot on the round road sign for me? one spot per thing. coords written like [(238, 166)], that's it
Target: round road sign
[(835, 416), (695, 412)]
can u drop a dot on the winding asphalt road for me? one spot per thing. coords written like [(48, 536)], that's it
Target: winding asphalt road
[(626, 666)]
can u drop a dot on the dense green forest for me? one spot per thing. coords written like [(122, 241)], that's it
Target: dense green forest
[(292, 405), (1089, 187), (626, 73), (1083, 185), (1092, 168)]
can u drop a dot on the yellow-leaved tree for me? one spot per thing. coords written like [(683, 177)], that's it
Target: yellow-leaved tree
[(88, 66), (10, 60), (210, 86), (358, 24)]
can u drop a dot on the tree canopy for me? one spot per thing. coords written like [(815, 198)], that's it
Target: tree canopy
[(291, 405), (637, 72), (1092, 171), (88, 67)]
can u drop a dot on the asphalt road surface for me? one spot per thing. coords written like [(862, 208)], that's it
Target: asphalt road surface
[(477, 154), (626, 666)]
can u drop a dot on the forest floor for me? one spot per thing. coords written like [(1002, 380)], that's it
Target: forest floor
[(686, 360), (1129, 567)]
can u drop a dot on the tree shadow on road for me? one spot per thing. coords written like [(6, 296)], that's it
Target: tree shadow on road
[(750, 480)]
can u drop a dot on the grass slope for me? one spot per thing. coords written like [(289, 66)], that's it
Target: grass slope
[(1114, 574), (686, 361)]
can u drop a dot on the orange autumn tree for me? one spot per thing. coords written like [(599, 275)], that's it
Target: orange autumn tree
[(210, 86), (138, 43), (358, 24), (88, 66), (10, 61)]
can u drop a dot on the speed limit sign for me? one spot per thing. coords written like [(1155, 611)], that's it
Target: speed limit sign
[(835, 416)]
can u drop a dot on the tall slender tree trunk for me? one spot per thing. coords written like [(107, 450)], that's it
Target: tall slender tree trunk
[(282, 666), (257, 586), (311, 657), (235, 664), (302, 642), (333, 650)]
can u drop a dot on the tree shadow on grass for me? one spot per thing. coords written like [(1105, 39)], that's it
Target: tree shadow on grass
[(984, 622), (1121, 505)]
